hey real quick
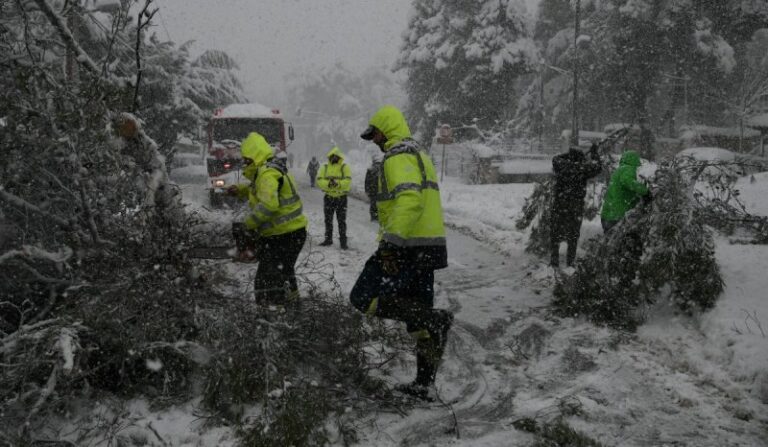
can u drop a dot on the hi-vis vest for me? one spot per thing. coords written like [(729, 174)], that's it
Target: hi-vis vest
[(277, 207), (339, 172), (408, 199)]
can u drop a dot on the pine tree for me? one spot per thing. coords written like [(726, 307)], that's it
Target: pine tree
[(462, 60), (656, 59)]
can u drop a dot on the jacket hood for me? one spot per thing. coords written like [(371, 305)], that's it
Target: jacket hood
[(257, 149), (391, 122), (630, 158), (337, 152)]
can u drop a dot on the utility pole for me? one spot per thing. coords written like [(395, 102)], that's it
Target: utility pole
[(576, 63)]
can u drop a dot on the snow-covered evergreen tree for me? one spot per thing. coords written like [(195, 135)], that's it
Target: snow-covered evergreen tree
[(640, 58), (462, 61)]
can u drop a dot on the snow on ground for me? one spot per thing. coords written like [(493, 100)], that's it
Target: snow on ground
[(698, 381), (753, 191)]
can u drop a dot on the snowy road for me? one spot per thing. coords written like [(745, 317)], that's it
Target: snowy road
[(508, 358)]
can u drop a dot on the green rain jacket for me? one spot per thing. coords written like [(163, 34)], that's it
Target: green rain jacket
[(339, 172), (275, 205), (624, 191), (408, 196)]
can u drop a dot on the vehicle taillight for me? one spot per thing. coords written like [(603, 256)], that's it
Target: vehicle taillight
[(219, 183)]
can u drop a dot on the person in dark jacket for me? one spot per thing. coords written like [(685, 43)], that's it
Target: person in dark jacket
[(312, 169), (572, 170), (372, 186)]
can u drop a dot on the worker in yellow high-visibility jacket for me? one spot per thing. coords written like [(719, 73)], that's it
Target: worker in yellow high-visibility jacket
[(397, 282), (276, 223), (335, 179)]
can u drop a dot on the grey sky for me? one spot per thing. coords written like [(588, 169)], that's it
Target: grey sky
[(272, 39)]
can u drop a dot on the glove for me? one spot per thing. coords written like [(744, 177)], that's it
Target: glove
[(232, 190), (389, 258), (593, 152), (648, 198), (332, 183)]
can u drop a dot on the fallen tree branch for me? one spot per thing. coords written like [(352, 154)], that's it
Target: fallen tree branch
[(50, 386), (32, 252)]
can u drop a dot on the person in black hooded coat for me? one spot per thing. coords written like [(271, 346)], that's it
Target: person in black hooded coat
[(572, 170)]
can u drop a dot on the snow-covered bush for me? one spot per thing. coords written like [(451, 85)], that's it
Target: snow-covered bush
[(301, 365), (661, 250), (536, 213)]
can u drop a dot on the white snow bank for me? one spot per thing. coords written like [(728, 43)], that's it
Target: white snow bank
[(526, 166), (737, 327), (613, 127), (481, 150), (693, 132), (707, 154), (758, 121), (753, 191)]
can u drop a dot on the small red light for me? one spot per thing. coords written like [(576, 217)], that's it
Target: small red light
[(218, 112), (227, 165), (276, 111)]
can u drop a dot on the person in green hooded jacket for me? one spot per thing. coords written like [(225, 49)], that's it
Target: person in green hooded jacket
[(276, 226), (397, 282), (624, 191)]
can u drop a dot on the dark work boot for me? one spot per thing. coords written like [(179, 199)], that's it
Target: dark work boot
[(571, 255), (443, 321), (554, 259), (429, 352), (343, 243), (425, 376), (326, 242)]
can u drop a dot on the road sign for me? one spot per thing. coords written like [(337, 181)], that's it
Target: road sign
[(444, 134)]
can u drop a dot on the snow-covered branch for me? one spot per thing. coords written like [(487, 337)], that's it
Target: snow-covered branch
[(32, 252), (18, 202), (65, 33)]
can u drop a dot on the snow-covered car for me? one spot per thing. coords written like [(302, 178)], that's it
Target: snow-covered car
[(187, 153)]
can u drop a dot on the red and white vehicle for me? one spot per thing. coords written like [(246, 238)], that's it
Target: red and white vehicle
[(227, 129)]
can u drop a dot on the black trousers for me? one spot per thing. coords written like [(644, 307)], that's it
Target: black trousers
[(336, 205), (275, 281), (408, 296), (565, 226), (374, 210)]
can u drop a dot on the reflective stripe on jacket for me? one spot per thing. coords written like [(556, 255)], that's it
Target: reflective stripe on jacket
[(339, 172), (408, 198), (276, 207)]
